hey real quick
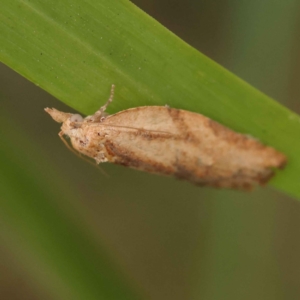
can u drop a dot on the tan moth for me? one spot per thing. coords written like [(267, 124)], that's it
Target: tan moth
[(169, 141)]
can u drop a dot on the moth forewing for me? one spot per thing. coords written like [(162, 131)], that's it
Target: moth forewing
[(168, 141)]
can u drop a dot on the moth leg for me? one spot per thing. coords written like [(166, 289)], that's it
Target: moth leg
[(61, 135), (100, 113)]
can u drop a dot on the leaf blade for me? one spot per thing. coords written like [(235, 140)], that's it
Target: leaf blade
[(75, 50)]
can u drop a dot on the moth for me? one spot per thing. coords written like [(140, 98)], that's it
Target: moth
[(169, 141)]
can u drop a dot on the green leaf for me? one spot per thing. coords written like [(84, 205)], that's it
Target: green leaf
[(76, 49)]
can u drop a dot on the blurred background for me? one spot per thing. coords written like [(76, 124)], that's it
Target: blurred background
[(166, 239)]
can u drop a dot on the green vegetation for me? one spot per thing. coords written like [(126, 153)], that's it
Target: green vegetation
[(75, 50)]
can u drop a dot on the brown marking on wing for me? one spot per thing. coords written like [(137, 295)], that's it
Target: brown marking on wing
[(247, 143), (233, 138), (129, 159), (179, 121)]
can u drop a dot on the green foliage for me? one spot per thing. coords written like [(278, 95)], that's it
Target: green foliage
[(75, 50)]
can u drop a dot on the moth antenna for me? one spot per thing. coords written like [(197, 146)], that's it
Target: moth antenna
[(61, 135), (100, 114), (110, 99)]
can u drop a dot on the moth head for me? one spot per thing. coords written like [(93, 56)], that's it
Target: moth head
[(62, 117), (76, 118), (57, 115), (70, 121)]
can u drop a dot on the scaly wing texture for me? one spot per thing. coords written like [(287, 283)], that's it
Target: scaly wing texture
[(197, 149)]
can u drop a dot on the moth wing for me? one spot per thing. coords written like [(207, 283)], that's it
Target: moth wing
[(204, 151), (155, 118)]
